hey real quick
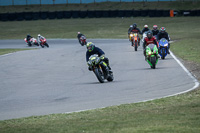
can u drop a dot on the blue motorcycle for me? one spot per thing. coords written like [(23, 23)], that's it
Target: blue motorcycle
[(163, 46)]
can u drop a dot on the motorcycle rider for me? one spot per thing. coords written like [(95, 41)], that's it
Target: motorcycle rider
[(129, 31), (155, 30), (134, 29), (145, 29), (91, 50), (150, 39), (163, 34), (39, 39), (28, 37), (79, 36)]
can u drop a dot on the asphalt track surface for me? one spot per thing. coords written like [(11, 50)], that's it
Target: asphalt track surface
[(56, 79)]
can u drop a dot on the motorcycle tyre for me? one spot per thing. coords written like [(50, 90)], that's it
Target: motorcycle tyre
[(110, 77), (135, 46), (46, 44), (99, 76), (163, 54), (29, 44), (153, 62)]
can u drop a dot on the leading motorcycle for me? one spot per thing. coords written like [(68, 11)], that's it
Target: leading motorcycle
[(99, 69), (43, 42), (151, 55)]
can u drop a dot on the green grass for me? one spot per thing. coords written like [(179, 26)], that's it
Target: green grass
[(177, 114), (6, 51)]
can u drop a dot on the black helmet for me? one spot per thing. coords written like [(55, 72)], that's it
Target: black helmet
[(134, 25), (149, 35)]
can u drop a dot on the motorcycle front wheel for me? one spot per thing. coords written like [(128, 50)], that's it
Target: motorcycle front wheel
[(153, 62), (99, 74)]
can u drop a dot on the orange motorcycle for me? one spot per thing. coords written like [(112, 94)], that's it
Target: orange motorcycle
[(134, 38)]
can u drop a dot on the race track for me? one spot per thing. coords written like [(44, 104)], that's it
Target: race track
[(57, 80)]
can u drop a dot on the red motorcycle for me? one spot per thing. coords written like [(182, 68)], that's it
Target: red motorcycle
[(43, 43), (83, 40), (31, 42)]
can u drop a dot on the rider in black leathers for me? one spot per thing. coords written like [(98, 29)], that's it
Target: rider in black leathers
[(91, 50), (163, 34), (155, 30), (134, 29), (78, 36)]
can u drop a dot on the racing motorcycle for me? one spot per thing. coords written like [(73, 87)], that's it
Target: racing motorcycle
[(163, 46), (43, 43), (134, 38), (83, 40), (31, 42), (151, 55), (99, 68)]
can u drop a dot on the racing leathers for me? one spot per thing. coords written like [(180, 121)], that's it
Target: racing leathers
[(148, 41), (144, 30), (39, 39)]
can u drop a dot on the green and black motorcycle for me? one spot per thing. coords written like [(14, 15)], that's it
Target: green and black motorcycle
[(99, 68)]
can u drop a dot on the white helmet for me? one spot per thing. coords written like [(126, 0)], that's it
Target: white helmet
[(79, 32), (145, 26), (39, 35)]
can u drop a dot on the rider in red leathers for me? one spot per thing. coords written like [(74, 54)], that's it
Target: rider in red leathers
[(150, 39)]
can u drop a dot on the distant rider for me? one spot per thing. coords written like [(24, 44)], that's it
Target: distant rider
[(150, 39), (134, 29), (129, 30), (28, 37), (79, 36), (41, 38), (155, 30), (91, 50), (163, 34), (145, 29)]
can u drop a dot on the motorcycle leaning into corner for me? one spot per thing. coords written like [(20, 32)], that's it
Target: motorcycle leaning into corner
[(43, 43), (31, 42), (99, 67), (134, 38), (152, 55), (163, 46), (83, 40)]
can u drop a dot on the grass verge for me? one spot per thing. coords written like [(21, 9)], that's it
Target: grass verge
[(173, 114), (6, 51), (177, 114)]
